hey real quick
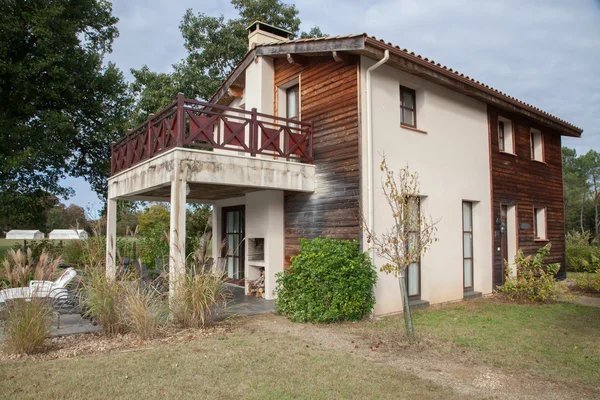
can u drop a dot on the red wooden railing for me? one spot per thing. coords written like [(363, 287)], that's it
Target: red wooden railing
[(196, 124)]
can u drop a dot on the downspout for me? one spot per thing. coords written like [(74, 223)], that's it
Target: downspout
[(370, 184)]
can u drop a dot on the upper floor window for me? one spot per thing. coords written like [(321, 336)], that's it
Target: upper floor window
[(537, 145), (408, 107), (505, 135), (539, 223), (292, 96)]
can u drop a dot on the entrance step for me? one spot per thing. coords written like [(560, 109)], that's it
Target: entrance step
[(471, 295)]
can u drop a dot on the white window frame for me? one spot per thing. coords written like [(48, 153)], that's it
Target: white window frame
[(509, 137), (536, 144), (540, 229)]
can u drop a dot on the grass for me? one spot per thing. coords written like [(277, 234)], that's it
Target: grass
[(248, 365), (6, 244), (559, 341), (574, 275)]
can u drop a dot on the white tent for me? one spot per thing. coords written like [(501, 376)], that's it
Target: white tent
[(59, 234), (24, 234)]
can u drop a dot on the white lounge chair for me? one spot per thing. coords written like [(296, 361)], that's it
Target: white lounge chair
[(56, 290)]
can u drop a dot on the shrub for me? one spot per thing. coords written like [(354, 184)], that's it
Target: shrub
[(534, 281), (20, 267), (329, 280), (198, 298), (50, 247), (581, 254), (102, 299), (26, 325), (589, 282), (145, 311)]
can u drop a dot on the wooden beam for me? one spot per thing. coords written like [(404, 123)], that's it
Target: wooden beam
[(241, 68), (315, 46), (234, 91), (341, 57), (296, 59)]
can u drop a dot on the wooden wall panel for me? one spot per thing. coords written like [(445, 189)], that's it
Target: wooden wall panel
[(328, 98), (516, 179)]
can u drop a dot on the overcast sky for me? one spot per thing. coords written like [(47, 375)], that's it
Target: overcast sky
[(544, 52)]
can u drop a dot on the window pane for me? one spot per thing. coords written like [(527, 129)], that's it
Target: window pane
[(501, 135), (229, 219), (467, 250), (292, 102), (413, 279), (467, 223), (408, 100), (468, 268), (408, 117)]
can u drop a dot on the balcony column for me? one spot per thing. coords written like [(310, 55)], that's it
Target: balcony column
[(111, 239), (177, 230)]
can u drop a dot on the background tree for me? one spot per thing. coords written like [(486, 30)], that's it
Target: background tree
[(591, 165), (581, 178), (215, 46), (411, 233), (60, 107), (63, 217)]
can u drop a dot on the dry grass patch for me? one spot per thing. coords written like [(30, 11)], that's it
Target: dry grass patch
[(558, 341), (241, 365)]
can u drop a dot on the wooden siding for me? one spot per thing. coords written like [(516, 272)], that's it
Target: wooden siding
[(518, 180), (328, 98)]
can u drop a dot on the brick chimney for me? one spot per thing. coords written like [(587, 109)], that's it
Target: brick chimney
[(260, 32)]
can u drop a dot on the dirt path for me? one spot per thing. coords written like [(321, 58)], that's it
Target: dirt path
[(424, 361), (583, 300)]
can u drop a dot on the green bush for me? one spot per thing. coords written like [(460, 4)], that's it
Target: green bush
[(582, 254), (330, 280), (534, 281), (37, 247), (589, 282)]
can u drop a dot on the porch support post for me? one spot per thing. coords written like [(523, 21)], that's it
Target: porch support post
[(111, 239), (177, 230)]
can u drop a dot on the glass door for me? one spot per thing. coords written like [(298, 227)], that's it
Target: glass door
[(233, 224)]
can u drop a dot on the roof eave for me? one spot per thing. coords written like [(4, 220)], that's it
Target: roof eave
[(470, 87)]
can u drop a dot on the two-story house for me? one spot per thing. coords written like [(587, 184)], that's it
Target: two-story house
[(289, 147)]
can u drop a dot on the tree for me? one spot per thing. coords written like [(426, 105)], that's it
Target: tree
[(581, 178), (591, 165), (154, 234), (410, 236), (62, 217), (576, 189), (215, 46), (60, 107)]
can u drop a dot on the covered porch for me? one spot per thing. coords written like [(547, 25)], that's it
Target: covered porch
[(241, 162)]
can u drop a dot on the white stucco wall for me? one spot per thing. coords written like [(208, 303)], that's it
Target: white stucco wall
[(452, 160), (264, 219)]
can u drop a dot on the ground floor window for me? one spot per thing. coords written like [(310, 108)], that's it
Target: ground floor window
[(413, 274), (233, 225), (467, 212)]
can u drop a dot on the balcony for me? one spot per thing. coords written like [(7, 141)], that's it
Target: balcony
[(193, 124)]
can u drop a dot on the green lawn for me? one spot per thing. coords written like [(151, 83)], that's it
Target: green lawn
[(575, 275), (560, 341), (249, 365), (6, 244)]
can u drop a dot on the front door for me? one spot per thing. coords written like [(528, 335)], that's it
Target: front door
[(233, 224)]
